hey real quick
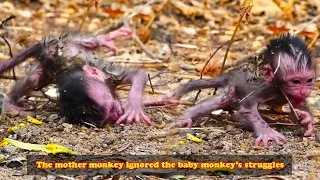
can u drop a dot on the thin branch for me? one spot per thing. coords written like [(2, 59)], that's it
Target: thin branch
[(291, 106), (11, 55), (245, 12), (4, 22), (151, 84)]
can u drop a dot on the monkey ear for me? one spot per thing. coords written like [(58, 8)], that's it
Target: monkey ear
[(268, 75)]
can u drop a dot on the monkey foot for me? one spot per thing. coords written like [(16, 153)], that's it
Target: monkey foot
[(133, 113), (107, 39), (306, 121), (13, 110), (268, 134)]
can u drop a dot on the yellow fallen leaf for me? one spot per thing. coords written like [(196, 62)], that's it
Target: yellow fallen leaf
[(177, 144), (34, 120), (13, 129), (49, 148), (3, 143), (193, 138)]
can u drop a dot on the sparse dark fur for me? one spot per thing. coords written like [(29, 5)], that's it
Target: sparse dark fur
[(289, 44), (75, 104)]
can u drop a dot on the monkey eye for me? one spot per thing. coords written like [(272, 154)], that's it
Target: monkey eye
[(296, 82), (309, 80)]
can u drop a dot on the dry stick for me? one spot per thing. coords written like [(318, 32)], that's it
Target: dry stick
[(291, 106), (4, 22), (307, 24), (86, 15), (246, 10), (151, 84)]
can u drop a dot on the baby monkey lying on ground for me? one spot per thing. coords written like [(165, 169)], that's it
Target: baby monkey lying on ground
[(60, 59), (288, 67)]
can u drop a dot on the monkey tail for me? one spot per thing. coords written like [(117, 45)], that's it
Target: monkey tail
[(22, 56)]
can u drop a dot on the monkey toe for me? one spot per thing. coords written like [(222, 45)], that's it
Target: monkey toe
[(309, 130), (276, 137)]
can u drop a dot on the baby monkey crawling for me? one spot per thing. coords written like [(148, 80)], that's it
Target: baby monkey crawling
[(287, 66)]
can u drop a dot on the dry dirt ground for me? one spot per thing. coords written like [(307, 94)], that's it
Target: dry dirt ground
[(194, 38)]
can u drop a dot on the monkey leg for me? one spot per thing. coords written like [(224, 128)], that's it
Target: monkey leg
[(218, 102), (22, 87), (175, 96), (251, 118)]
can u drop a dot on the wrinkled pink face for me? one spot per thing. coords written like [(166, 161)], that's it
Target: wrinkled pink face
[(298, 85)]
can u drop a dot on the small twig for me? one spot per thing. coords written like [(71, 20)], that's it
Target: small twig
[(306, 25), (291, 106), (4, 22), (134, 35), (89, 124), (151, 84), (125, 147)]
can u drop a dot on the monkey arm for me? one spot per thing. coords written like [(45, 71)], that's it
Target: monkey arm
[(137, 78), (91, 42), (218, 102), (175, 96), (22, 56), (305, 118), (251, 117)]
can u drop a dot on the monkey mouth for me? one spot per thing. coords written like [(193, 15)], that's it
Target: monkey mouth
[(297, 99)]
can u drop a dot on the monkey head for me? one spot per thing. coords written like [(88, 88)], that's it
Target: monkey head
[(86, 97), (289, 65)]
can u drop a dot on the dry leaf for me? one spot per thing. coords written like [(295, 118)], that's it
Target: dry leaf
[(143, 34), (212, 68), (113, 13), (269, 7), (278, 30), (189, 11)]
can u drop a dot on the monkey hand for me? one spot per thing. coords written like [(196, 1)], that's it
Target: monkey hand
[(133, 112), (268, 134), (307, 121), (106, 40)]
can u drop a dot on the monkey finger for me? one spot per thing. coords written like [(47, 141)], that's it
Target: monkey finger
[(130, 118), (282, 138), (121, 119), (123, 32), (258, 141), (309, 131), (265, 141), (187, 122), (145, 118), (136, 119), (306, 121), (109, 44)]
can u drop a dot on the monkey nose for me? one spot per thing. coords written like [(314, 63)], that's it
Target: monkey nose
[(303, 93)]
